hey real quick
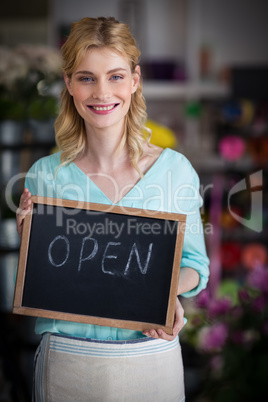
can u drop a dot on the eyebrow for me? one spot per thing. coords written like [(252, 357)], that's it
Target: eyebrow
[(108, 72)]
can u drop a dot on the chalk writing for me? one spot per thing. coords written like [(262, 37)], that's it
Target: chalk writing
[(107, 255), (51, 260), (111, 243), (91, 255), (135, 250)]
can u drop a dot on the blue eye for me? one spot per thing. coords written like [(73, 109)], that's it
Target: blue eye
[(116, 77), (85, 79)]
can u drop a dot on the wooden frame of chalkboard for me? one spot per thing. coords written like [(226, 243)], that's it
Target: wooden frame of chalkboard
[(99, 264)]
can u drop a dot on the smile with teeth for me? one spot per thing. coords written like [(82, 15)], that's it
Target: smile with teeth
[(103, 108)]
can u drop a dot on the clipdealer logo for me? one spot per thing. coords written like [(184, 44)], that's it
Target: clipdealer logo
[(254, 185)]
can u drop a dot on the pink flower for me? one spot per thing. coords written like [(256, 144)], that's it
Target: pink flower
[(258, 278), (232, 147), (244, 296), (237, 312), (213, 338), (219, 307), (202, 300)]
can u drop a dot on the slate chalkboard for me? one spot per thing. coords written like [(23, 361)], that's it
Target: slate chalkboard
[(99, 264)]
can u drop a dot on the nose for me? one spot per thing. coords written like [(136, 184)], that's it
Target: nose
[(102, 91)]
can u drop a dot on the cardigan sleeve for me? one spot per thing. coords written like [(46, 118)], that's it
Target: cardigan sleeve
[(31, 181), (37, 179), (40, 179), (194, 253)]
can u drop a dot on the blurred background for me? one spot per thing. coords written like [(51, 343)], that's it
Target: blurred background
[(205, 72)]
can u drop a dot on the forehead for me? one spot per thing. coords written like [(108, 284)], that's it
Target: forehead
[(103, 59)]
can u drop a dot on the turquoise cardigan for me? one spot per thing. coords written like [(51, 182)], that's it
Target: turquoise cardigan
[(170, 185)]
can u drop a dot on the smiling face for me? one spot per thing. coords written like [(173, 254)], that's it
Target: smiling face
[(101, 87)]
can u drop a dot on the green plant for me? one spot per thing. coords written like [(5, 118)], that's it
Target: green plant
[(43, 108), (12, 110)]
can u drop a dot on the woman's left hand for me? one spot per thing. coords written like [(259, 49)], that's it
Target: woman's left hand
[(178, 324)]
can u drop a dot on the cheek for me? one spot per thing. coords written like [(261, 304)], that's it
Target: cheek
[(126, 92), (79, 93), (79, 98)]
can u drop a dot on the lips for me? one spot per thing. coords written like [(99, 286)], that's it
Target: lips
[(103, 109)]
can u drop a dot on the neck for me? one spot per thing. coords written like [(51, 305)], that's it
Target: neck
[(103, 146)]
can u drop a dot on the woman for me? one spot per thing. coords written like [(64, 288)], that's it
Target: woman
[(105, 157)]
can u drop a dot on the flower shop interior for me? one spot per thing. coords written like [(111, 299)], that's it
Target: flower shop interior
[(205, 80)]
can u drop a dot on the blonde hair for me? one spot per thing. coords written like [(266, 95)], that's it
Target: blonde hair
[(69, 126)]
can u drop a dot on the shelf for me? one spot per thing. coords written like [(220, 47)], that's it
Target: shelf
[(243, 235), (213, 163), (25, 145), (172, 90)]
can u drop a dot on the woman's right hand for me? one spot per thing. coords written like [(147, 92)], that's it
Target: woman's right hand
[(23, 209)]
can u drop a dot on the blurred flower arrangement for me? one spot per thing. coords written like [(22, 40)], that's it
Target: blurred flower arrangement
[(231, 333), (29, 80)]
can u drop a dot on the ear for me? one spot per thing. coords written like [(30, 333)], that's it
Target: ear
[(136, 79), (68, 83)]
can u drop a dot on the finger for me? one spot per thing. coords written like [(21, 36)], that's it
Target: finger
[(159, 334), (21, 213), (179, 323), (151, 333), (179, 318), (166, 337), (25, 201), (25, 195), (23, 209), (20, 218)]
